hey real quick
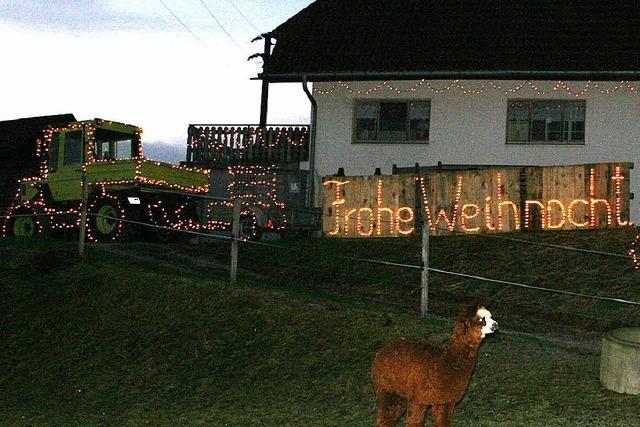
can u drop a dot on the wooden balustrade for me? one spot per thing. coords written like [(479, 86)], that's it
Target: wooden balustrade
[(222, 145)]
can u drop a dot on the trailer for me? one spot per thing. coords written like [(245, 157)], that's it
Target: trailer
[(261, 166)]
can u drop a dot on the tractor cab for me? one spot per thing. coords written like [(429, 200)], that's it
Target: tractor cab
[(91, 140), (113, 144), (82, 143)]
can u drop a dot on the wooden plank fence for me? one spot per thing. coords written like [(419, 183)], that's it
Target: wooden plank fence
[(484, 200)]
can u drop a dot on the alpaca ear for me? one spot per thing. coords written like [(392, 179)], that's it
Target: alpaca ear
[(470, 311)]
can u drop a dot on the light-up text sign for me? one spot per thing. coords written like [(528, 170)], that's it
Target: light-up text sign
[(488, 200)]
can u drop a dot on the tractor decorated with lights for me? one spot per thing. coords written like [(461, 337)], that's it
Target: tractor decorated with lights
[(124, 188)]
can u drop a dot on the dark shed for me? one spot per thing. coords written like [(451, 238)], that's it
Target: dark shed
[(18, 149)]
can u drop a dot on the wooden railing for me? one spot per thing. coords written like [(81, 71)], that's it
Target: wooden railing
[(222, 145)]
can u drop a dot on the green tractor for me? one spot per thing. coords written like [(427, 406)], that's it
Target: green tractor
[(124, 188)]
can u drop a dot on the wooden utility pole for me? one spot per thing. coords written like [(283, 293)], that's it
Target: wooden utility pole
[(264, 99), (83, 214), (424, 299), (235, 237)]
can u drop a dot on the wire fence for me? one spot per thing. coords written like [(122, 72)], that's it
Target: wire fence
[(379, 280)]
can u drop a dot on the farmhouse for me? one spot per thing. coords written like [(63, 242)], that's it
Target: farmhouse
[(518, 83)]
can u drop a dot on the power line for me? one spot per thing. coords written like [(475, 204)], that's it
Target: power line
[(219, 24), (182, 23), (242, 14)]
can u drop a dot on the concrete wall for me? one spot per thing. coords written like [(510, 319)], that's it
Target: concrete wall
[(471, 129)]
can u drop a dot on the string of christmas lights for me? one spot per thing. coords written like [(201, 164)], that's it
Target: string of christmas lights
[(633, 252), (28, 207), (256, 183), (45, 217), (68, 217), (177, 219), (554, 213), (559, 87), (246, 138), (256, 186)]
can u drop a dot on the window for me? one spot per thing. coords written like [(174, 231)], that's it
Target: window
[(391, 121), (54, 150), (110, 144), (72, 147), (550, 122), (102, 150), (123, 149)]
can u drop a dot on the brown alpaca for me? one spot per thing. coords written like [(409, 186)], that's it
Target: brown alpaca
[(414, 376)]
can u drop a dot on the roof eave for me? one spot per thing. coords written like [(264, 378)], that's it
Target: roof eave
[(436, 75)]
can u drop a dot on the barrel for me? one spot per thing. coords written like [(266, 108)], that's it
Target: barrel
[(620, 360)]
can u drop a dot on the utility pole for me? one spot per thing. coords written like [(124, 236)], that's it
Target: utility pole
[(264, 100)]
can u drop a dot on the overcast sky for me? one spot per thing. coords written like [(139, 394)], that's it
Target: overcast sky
[(133, 61)]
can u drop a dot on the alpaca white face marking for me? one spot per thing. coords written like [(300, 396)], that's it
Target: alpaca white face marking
[(490, 325)]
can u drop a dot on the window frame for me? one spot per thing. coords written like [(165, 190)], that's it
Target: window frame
[(97, 155), (378, 101), (53, 160), (65, 157), (562, 120)]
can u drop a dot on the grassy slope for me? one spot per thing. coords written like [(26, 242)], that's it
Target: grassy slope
[(110, 342), (322, 263)]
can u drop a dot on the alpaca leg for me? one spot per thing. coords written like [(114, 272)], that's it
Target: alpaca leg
[(442, 415), (416, 414), (390, 408)]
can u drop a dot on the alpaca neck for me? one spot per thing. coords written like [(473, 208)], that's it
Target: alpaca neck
[(464, 347), (460, 359)]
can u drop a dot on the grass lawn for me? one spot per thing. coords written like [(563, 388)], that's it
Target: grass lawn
[(325, 263), (110, 340)]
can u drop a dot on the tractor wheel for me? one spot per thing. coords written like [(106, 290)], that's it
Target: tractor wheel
[(23, 222), (104, 219)]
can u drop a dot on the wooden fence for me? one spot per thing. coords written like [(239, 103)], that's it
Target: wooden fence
[(485, 200), (223, 145)]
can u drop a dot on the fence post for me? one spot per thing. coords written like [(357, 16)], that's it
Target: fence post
[(83, 214), (424, 298), (235, 237)]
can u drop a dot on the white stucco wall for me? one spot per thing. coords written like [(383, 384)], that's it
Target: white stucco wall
[(471, 129)]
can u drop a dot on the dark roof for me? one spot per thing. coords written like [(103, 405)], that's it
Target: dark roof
[(394, 39), (18, 139)]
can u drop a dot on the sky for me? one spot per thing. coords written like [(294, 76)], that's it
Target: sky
[(158, 64)]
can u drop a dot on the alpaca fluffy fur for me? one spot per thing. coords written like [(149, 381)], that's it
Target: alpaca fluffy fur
[(413, 376)]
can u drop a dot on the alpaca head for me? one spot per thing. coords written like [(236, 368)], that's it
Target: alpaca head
[(489, 325), (478, 320)]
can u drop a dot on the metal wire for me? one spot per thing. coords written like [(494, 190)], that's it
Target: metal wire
[(382, 262), (186, 27), (202, 196), (534, 243), (513, 239), (146, 224), (37, 214), (503, 282), (217, 21)]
